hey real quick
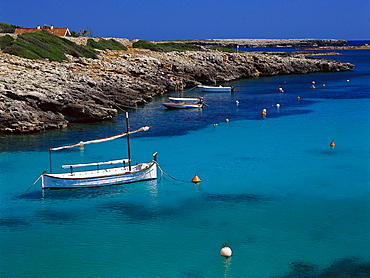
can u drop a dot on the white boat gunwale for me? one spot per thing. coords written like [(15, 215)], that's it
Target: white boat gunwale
[(183, 99), (215, 88), (183, 103), (71, 176)]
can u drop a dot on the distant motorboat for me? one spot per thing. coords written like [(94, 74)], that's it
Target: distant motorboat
[(216, 89), (184, 103)]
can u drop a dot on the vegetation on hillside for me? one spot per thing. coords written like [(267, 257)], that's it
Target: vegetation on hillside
[(5, 41), (7, 28), (165, 46), (106, 44), (41, 45), (224, 49)]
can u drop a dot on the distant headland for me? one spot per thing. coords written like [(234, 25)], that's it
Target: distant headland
[(39, 94)]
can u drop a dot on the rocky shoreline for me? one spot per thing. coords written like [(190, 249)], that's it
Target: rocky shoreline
[(37, 95)]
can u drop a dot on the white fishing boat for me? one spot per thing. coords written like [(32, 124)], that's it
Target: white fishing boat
[(181, 103), (101, 176), (215, 88)]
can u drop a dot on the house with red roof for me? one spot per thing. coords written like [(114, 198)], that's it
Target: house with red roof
[(62, 32)]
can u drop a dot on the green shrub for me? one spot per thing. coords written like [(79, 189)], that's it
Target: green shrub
[(165, 47), (145, 45), (7, 28), (224, 49), (102, 44), (40, 45), (5, 41)]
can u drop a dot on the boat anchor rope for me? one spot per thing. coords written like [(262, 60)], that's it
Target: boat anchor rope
[(33, 184), (163, 173)]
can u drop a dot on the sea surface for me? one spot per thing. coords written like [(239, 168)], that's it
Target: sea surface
[(273, 189)]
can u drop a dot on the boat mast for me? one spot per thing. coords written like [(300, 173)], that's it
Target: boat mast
[(128, 142)]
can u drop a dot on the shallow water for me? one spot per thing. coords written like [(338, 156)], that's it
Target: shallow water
[(272, 188)]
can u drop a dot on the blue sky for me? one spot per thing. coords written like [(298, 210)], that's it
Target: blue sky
[(197, 19)]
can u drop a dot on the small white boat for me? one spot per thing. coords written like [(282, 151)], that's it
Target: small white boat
[(182, 103), (216, 89), (101, 177)]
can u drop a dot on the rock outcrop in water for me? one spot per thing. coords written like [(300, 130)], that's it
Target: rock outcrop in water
[(36, 95)]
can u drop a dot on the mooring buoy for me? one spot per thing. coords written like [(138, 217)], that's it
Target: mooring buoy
[(332, 144), (196, 179), (226, 251)]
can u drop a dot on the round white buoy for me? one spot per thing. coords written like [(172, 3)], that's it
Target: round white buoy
[(237, 101), (264, 112), (278, 105), (227, 120), (226, 252)]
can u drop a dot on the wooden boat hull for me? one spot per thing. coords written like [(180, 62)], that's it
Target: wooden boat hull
[(214, 89), (170, 105), (102, 177)]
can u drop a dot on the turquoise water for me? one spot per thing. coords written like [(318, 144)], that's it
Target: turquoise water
[(272, 188)]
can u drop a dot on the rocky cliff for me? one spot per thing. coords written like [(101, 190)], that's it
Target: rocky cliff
[(36, 95)]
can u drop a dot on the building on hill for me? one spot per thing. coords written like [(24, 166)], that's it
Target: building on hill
[(62, 32)]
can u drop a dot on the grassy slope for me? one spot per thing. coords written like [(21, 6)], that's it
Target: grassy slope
[(41, 45)]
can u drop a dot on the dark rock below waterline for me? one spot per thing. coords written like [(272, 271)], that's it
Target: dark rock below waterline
[(36, 95)]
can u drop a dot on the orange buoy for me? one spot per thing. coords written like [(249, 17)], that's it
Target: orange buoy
[(332, 144), (227, 120), (298, 97), (313, 87), (264, 112), (196, 179)]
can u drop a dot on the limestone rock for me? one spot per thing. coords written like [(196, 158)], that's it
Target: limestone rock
[(36, 95)]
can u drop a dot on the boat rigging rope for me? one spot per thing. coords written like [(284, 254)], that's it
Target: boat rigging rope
[(190, 89), (32, 185)]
